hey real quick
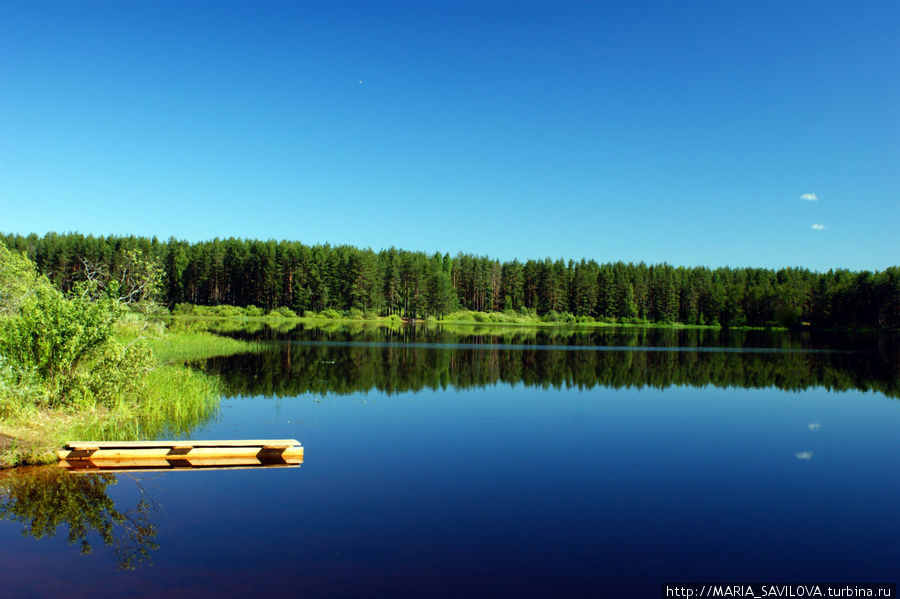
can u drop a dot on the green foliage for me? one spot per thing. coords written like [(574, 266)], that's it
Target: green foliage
[(53, 335), (313, 279), (253, 311), (20, 391), (18, 280), (65, 342), (551, 316), (189, 341), (184, 309), (282, 312)]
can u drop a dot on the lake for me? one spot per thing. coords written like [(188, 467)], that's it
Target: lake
[(459, 462)]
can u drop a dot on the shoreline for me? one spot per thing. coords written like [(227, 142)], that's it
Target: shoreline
[(487, 322), (33, 438)]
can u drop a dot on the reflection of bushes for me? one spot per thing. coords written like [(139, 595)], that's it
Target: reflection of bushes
[(44, 499)]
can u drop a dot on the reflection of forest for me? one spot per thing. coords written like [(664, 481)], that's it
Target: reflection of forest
[(45, 498), (342, 360)]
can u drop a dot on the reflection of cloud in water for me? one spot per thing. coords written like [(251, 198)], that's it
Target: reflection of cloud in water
[(804, 455), (814, 426)]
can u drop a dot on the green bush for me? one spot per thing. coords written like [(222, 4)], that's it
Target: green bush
[(551, 316), (184, 309), (63, 343), (253, 311)]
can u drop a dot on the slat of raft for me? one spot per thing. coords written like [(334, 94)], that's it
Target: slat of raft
[(150, 453), (267, 443), (163, 453), (86, 466), (184, 453)]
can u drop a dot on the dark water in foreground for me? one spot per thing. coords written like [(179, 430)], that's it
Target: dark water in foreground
[(485, 464)]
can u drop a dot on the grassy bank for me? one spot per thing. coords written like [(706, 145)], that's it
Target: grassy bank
[(170, 399), (286, 319)]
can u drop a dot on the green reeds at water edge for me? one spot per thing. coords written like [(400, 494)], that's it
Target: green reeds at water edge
[(190, 345), (170, 399), (174, 401)]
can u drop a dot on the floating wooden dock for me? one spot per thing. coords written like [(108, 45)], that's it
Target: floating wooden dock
[(176, 455)]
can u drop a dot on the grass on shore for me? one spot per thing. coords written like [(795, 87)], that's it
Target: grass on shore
[(173, 399), (461, 317)]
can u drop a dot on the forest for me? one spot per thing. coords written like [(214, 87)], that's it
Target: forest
[(345, 279)]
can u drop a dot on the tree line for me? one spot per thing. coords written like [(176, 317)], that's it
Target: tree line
[(314, 278)]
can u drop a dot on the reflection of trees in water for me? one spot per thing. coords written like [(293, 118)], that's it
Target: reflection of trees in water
[(45, 498), (347, 363), (482, 334)]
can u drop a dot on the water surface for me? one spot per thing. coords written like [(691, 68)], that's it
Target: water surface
[(498, 463)]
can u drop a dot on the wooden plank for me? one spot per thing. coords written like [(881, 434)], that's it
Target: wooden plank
[(116, 466), (178, 463), (156, 453), (268, 443)]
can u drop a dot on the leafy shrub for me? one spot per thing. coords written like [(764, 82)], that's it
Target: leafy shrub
[(330, 313), (20, 390), (551, 316), (184, 309), (253, 311), (64, 343), (460, 316), (114, 372)]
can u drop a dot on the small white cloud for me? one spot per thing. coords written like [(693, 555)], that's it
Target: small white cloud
[(814, 426), (810, 197), (804, 455), (819, 227)]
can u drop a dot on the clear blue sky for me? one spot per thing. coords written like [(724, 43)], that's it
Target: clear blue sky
[(684, 132)]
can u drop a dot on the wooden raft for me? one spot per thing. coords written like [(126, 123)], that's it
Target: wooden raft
[(118, 455)]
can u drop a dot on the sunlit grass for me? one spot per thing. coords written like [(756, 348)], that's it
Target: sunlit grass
[(171, 400), (195, 345)]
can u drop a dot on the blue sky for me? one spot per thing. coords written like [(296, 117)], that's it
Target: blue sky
[(684, 132)]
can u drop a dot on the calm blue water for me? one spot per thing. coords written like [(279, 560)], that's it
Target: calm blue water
[(508, 490)]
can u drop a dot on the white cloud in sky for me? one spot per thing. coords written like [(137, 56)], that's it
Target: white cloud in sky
[(810, 197), (818, 227)]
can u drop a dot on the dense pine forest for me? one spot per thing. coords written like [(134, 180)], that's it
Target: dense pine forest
[(346, 279)]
